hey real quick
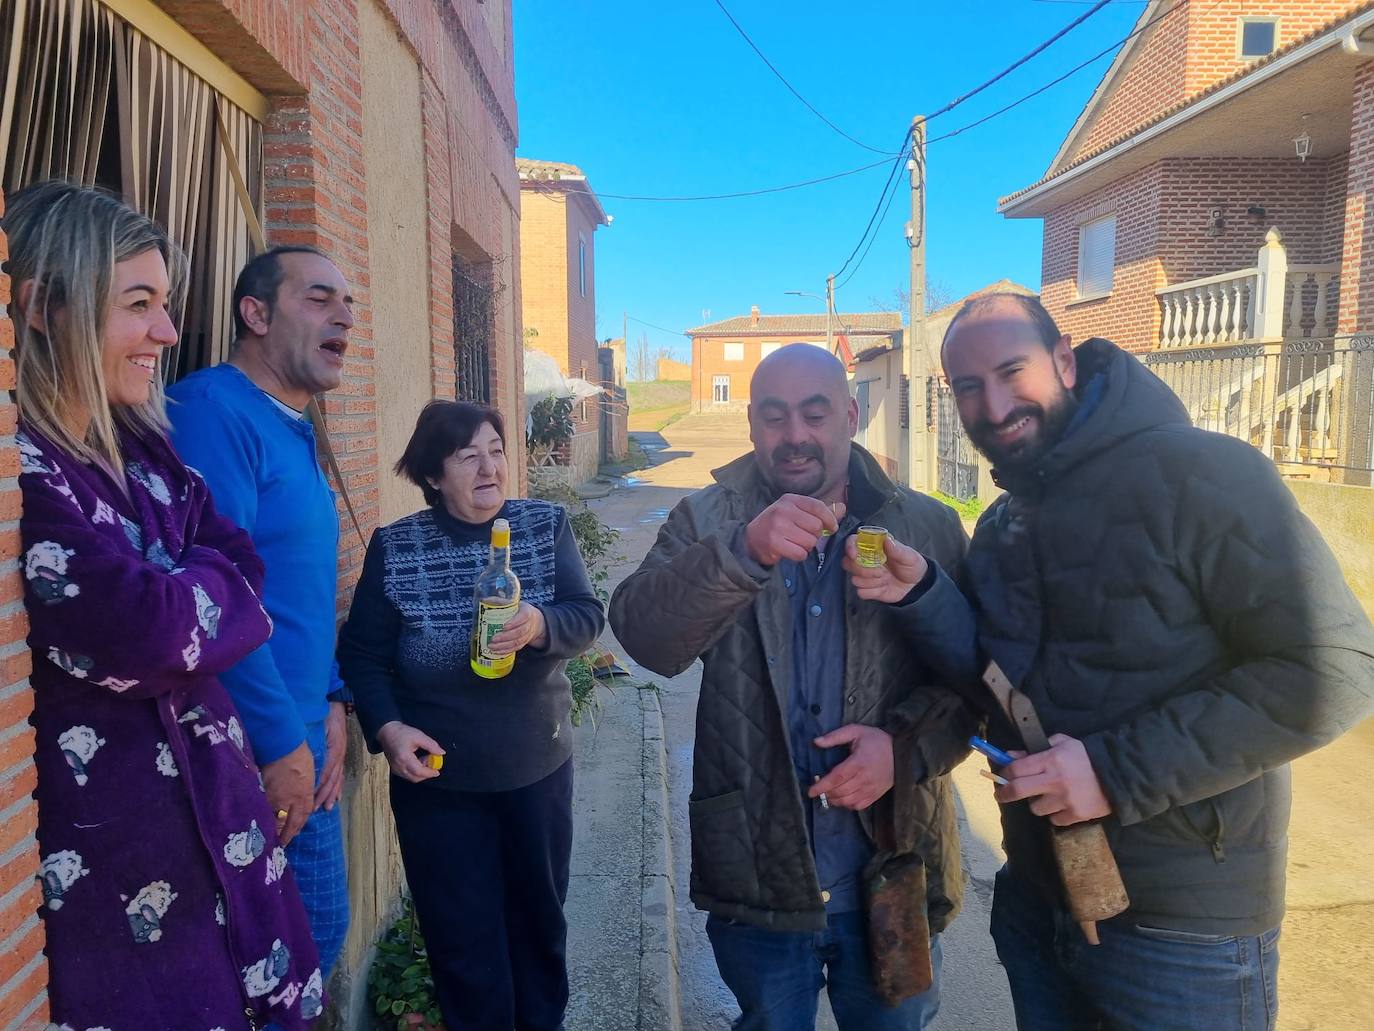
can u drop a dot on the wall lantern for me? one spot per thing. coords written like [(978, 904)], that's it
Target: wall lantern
[(1302, 143)]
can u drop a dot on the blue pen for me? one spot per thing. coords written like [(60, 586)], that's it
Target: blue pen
[(994, 753)]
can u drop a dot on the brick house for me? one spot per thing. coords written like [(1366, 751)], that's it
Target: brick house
[(1209, 206), (726, 353), (559, 216), (381, 131)]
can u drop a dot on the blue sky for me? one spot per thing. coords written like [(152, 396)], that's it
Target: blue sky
[(666, 99)]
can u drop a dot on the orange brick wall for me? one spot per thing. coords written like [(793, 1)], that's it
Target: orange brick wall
[(304, 57), (1163, 236), (544, 277), (23, 971), (1193, 47), (1212, 32), (1128, 315), (1357, 277), (552, 222), (1150, 82)]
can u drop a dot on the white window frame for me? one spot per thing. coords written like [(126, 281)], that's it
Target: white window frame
[(733, 351), (582, 264), (1090, 285), (717, 396), (1245, 20), (765, 349)]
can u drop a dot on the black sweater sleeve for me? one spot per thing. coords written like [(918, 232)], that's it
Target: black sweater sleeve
[(576, 617), (367, 648)]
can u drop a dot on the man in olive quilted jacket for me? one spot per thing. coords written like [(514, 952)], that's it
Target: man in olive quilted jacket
[(824, 728), (1183, 632)]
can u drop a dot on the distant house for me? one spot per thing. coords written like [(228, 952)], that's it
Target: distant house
[(726, 353), (1211, 208), (559, 216)]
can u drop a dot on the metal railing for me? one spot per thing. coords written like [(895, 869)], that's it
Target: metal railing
[(1306, 402), (956, 462)]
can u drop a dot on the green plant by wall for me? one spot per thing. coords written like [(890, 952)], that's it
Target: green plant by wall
[(969, 510), (595, 540), (400, 983)]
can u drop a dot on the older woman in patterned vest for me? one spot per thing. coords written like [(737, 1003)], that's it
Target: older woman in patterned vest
[(167, 901), (486, 840)]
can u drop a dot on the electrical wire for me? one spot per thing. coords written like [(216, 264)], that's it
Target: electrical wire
[(661, 329), (1019, 62), (877, 208), (1055, 82), (748, 193), (877, 230), (792, 89)]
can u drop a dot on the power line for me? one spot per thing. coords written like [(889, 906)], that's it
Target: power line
[(749, 193), (1055, 82), (917, 232), (877, 208), (1018, 63), (792, 89), (661, 329)]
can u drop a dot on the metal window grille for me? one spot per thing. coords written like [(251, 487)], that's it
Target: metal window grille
[(474, 326)]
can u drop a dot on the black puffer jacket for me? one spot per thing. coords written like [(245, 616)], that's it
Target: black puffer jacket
[(1158, 594), (691, 597)]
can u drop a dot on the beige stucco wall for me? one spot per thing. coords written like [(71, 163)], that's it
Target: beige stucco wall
[(394, 143), (1345, 517), (400, 319), (883, 437)]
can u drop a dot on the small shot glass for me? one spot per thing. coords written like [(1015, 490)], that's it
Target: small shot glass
[(869, 542), (830, 505)]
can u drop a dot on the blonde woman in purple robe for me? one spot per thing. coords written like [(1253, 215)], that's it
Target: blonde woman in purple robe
[(167, 899)]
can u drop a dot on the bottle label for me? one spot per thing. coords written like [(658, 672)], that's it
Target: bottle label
[(490, 620)]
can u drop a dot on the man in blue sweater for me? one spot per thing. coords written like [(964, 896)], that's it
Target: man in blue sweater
[(242, 424)]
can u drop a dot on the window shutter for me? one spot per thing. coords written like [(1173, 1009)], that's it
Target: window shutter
[(1096, 256)]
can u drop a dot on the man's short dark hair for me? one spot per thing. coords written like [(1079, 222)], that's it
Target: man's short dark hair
[(1045, 326), (443, 428), (261, 278)]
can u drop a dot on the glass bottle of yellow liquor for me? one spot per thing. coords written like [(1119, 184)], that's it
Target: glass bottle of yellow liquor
[(495, 600)]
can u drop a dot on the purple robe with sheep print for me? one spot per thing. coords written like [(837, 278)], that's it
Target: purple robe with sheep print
[(167, 899)]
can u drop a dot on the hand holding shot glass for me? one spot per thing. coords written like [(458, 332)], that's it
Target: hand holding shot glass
[(881, 567)]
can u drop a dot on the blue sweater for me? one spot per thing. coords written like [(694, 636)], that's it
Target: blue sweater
[(262, 469)]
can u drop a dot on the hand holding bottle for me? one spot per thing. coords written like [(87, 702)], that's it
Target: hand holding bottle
[(526, 627)]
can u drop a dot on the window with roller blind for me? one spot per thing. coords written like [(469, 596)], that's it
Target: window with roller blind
[(1096, 257)]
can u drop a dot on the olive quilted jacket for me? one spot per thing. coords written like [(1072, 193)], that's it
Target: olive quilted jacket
[(692, 598)]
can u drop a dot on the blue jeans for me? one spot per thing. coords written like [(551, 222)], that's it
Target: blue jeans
[(1138, 979), (777, 976)]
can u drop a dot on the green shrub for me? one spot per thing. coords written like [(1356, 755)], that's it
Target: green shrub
[(400, 982), (970, 509)]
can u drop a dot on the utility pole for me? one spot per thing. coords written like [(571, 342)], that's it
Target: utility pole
[(914, 354), (830, 314)]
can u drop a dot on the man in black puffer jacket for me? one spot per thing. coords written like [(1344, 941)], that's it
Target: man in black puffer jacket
[(1184, 633)]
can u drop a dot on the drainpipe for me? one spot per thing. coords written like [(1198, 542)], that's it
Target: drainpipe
[(1351, 42)]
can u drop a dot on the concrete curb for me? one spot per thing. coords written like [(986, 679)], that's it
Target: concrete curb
[(659, 992)]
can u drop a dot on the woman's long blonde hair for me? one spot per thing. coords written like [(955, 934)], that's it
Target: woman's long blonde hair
[(66, 240)]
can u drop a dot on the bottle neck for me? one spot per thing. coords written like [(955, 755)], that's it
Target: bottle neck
[(500, 556)]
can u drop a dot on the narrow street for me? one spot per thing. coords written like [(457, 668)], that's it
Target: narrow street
[(1328, 943)]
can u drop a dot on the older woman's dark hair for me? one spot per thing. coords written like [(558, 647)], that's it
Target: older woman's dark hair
[(443, 428)]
